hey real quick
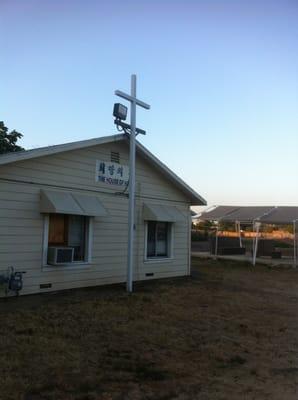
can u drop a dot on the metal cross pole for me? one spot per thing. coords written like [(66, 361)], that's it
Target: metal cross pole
[(132, 98)]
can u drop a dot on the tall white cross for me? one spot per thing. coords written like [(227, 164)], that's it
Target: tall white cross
[(132, 98)]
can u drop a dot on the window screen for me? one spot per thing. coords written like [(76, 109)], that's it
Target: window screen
[(68, 231), (157, 239)]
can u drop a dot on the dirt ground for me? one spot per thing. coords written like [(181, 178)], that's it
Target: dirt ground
[(227, 332)]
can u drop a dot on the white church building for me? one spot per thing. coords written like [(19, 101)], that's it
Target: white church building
[(64, 215)]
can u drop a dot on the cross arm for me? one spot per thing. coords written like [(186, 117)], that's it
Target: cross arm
[(132, 99)]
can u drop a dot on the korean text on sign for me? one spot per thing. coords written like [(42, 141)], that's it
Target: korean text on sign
[(112, 173)]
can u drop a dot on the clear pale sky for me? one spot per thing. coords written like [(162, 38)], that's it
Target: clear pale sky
[(221, 77)]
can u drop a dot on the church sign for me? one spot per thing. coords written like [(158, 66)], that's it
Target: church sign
[(112, 173)]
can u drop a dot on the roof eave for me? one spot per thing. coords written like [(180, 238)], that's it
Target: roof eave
[(194, 198), (59, 148)]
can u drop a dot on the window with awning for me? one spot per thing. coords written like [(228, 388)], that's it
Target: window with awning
[(69, 231), (159, 220), (68, 225), (67, 202), (160, 212), (158, 239)]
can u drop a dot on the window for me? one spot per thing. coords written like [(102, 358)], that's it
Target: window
[(158, 239), (68, 234)]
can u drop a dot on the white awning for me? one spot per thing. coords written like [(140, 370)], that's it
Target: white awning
[(52, 201), (158, 212)]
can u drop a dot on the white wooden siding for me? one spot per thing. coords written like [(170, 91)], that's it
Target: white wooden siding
[(21, 224)]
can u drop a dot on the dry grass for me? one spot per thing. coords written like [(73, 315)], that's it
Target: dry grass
[(227, 333)]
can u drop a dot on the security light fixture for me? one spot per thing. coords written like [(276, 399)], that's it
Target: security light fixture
[(120, 111), (120, 114)]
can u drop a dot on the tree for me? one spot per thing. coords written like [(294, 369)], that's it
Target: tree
[(8, 140), (203, 229), (226, 226)]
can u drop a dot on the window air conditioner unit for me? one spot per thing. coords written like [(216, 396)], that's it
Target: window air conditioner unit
[(60, 255)]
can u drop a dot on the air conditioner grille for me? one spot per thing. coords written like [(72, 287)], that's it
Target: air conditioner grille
[(60, 255), (64, 255)]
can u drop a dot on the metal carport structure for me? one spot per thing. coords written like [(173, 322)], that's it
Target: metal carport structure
[(255, 215)]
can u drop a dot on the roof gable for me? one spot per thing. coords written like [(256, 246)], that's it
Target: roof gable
[(58, 148), (194, 197)]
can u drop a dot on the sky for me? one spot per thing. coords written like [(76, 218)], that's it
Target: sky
[(221, 77)]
